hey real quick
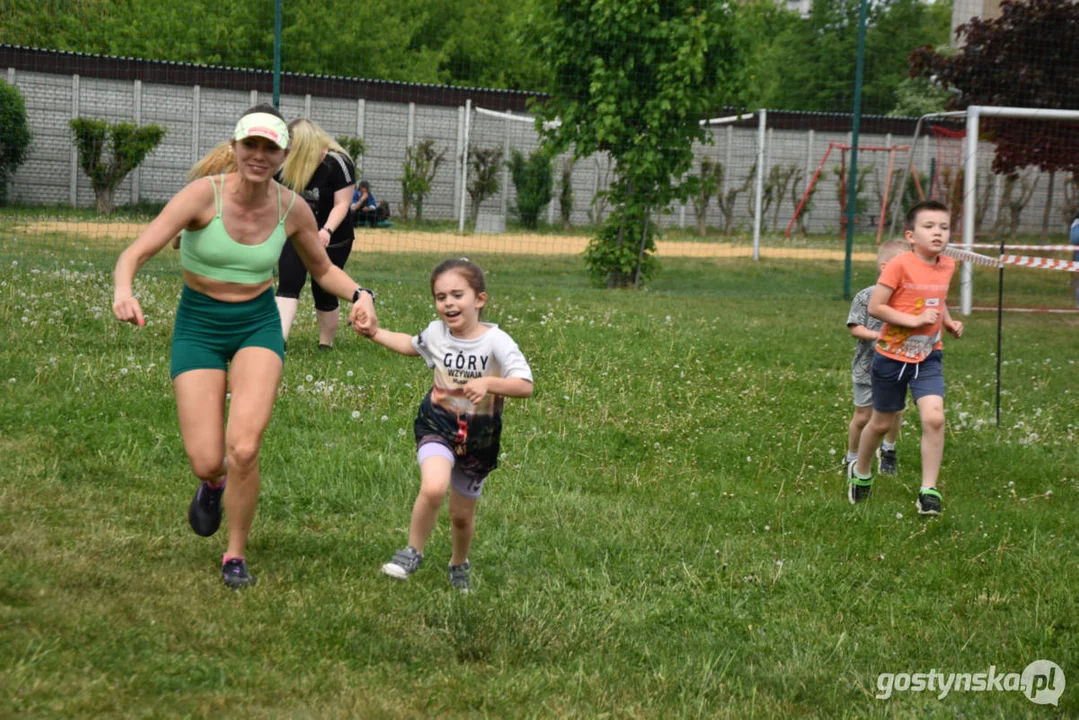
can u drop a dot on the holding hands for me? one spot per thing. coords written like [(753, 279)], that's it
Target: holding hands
[(362, 316)]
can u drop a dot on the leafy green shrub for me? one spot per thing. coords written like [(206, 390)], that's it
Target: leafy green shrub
[(14, 134), (622, 254), (532, 178), (701, 187), (354, 146), (108, 152), (565, 193), (483, 165), (421, 164)]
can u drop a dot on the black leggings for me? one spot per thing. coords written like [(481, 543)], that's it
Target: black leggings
[(291, 275)]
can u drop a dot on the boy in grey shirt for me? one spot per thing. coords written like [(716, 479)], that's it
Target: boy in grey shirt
[(866, 329)]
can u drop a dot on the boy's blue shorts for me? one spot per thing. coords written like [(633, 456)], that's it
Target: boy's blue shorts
[(890, 379)]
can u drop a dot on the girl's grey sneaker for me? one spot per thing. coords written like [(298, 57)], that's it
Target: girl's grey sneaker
[(404, 563), (235, 574), (204, 513), (459, 576)]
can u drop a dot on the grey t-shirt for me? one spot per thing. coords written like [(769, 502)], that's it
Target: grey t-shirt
[(862, 364)]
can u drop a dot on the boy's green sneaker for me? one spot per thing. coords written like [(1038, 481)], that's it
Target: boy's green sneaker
[(928, 502), (857, 488)]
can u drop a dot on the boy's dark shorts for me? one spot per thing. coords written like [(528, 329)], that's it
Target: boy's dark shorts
[(891, 378)]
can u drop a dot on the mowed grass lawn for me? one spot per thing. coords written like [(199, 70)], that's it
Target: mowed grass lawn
[(668, 534)]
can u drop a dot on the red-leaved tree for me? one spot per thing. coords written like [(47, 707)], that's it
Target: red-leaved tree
[(1024, 58)]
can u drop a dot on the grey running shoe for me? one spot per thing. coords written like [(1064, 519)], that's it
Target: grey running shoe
[(235, 574), (887, 462), (404, 563), (928, 502), (204, 513), (857, 489), (459, 576)]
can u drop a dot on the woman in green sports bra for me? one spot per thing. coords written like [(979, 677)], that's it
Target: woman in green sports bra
[(227, 335)]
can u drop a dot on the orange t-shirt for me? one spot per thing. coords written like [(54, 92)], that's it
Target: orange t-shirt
[(916, 286)]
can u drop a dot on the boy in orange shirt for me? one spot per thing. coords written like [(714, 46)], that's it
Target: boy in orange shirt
[(910, 298)]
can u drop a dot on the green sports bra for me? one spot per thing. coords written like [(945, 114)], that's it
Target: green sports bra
[(212, 253)]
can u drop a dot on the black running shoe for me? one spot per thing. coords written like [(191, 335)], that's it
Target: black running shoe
[(204, 514), (928, 502), (235, 574), (887, 462), (857, 489)]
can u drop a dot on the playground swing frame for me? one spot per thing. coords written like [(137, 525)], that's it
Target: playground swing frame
[(843, 148)]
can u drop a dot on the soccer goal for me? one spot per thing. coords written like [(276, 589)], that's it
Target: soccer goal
[(1033, 137)]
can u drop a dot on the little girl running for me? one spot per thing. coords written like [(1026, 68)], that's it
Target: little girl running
[(459, 422)]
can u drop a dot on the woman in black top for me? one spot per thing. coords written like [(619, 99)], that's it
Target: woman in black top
[(320, 170)]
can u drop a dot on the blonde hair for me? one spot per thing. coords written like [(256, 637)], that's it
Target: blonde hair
[(307, 142), (890, 248), (218, 160)]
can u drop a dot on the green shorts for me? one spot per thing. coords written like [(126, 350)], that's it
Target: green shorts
[(209, 332)]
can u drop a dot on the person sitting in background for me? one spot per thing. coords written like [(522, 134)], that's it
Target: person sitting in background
[(364, 205)]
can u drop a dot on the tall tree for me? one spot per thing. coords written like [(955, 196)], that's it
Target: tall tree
[(811, 62), (1024, 58), (463, 42), (632, 78), (15, 134)]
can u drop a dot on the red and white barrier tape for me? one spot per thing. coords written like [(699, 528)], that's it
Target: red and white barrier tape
[(1039, 248), (1019, 260)]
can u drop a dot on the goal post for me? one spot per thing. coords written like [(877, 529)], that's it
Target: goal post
[(974, 114)]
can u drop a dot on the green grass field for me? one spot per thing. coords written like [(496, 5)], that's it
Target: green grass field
[(668, 535)]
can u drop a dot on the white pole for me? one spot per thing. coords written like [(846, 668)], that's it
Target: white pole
[(464, 168), (196, 121), (361, 110), (550, 205), (410, 128), (136, 174), (73, 178), (503, 207), (970, 163), (457, 161), (762, 123)]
